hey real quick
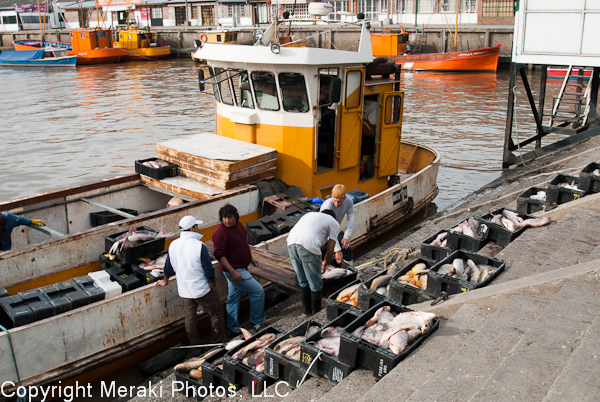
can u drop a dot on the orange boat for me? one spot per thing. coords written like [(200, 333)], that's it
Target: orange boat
[(395, 46), (91, 46)]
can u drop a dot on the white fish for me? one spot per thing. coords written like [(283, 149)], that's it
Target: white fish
[(596, 172), (512, 216), (508, 224), (539, 196), (536, 222), (438, 240), (447, 269), (399, 342), (459, 266), (475, 271)]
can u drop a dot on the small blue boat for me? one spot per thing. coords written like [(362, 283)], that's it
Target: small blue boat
[(49, 57)]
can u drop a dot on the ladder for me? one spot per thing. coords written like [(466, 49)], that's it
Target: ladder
[(572, 105)]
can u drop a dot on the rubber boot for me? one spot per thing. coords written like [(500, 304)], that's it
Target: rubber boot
[(315, 301), (306, 304)]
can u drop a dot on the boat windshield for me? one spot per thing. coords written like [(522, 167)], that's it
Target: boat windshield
[(293, 92), (60, 53), (265, 90)]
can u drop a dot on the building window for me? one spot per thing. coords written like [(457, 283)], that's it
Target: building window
[(425, 6), (156, 12), (180, 16), (498, 8), (9, 19), (194, 12), (297, 10), (237, 10)]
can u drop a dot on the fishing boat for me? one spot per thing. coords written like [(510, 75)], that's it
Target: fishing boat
[(91, 46), (305, 117), (215, 36), (559, 73), (48, 57), (393, 45), (141, 44)]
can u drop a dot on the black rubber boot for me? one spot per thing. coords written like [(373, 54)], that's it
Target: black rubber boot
[(306, 304), (315, 301)]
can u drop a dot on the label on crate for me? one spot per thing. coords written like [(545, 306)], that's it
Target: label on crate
[(270, 366), (306, 358), (337, 375), (382, 369)]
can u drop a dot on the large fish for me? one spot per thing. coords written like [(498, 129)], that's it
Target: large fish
[(398, 342), (334, 273), (439, 238), (512, 216), (380, 281), (536, 222)]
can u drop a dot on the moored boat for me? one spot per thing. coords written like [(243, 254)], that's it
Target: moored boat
[(141, 44), (48, 57), (559, 73), (215, 36), (309, 117)]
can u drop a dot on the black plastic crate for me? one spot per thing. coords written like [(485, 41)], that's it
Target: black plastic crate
[(459, 241), (437, 282), (212, 374), (589, 182), (360, 353), (278, 366), (434, 253), (104, 217), (38, 303), (294, 213), (335, 308), (127, 281), (74, 293), (106, 262), (87, 284), (190, 387), (158, 174), (367, 298), (127, 255), (561, 195), (256, 232), (58, 300), (144, 276), (405, 294), (525, 205), (327, 365), (498, 233), (3, 292), (333, 285), (14, 312), (236, 372), (278, 223)]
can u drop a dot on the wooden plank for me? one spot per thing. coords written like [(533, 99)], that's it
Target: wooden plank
[(275, 268), (220, 174), (269, 174), (216, 152), (184, 186)]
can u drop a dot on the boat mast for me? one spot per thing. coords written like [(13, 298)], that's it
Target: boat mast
[(42, 23)]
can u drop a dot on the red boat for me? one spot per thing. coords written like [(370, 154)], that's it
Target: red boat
[(559, 73)]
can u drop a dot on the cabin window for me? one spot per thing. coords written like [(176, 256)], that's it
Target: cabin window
[(82, 35), (369, 136), (327, 120), (101, 34), (353, 89), (223, 88), (218, 38), (392, 109), (241, 88), (265, 90), (293, 92)]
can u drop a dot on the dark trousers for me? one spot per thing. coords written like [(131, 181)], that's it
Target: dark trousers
[(211, 304), (346, 252)]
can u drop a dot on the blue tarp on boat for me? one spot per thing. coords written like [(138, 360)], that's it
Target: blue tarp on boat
[(21, 55)]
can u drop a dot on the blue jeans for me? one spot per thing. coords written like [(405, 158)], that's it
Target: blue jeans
[(235, 290), (307, 266)]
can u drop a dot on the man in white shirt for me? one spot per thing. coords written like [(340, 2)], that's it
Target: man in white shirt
[(342, 205), (313, 231), (188, 258)]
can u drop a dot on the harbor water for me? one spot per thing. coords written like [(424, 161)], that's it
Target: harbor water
[(67, 126)]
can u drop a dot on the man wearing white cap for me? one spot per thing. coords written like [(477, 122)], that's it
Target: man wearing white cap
[(188, 258)]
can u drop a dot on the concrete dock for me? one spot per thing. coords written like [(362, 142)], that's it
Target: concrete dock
[(532, 334)]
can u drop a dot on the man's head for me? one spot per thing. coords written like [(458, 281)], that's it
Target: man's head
[(338, 194), (3, 222), (329, 212), (175, 201), (228, 215), (188, 222)]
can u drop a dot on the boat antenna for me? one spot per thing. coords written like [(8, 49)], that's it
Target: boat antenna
[(97, 15), (456, 25)]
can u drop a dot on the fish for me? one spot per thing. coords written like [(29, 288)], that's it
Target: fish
[(285, 345), (232, 344), (422, 320), (459, 266), (497, 219), (512, 216), (134, 237), (347, 294), (536, 222), (539, 196), (195, 363), (508, 224), (570, 186), (380, 281), (475, 271), (392, 270), (398, 342), (382, 290), (329, 345), (375, 317), (596, 172), (438, 240), (195, 373), (447, 269), (256, 344), (474, 226), (334, 273)]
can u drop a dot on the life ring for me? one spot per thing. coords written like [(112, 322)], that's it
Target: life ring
[(203, 38)]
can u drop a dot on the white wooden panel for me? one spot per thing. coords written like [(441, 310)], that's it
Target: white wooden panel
[(591, 32), (552, 33), (592, 5), (554, 5)]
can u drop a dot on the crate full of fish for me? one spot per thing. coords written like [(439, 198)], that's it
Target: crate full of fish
[(376, 288), (149, 269), (435, 247), (189, 373), (564, 189), (343, 300), (533, 200), (320, 351), (409, 285), (212, 365), (245, 363), (589, 178), (134, 243), (383, 336), (282, 357), (335, 278), (467, 235), (462, 271), (155, 168), (505, 225)]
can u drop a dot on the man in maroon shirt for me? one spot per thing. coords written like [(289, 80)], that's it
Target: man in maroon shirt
[(234, 256)]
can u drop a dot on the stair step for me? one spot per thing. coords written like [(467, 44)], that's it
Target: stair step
[(529, 370), (311, 390), (469, 368), (579, 381), (568, 119), (351, 388), (424, 362)]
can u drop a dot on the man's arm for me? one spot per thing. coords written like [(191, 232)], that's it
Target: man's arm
[(168, 271), (349, 224), (328, 254), (227, 267), (207, 266)]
